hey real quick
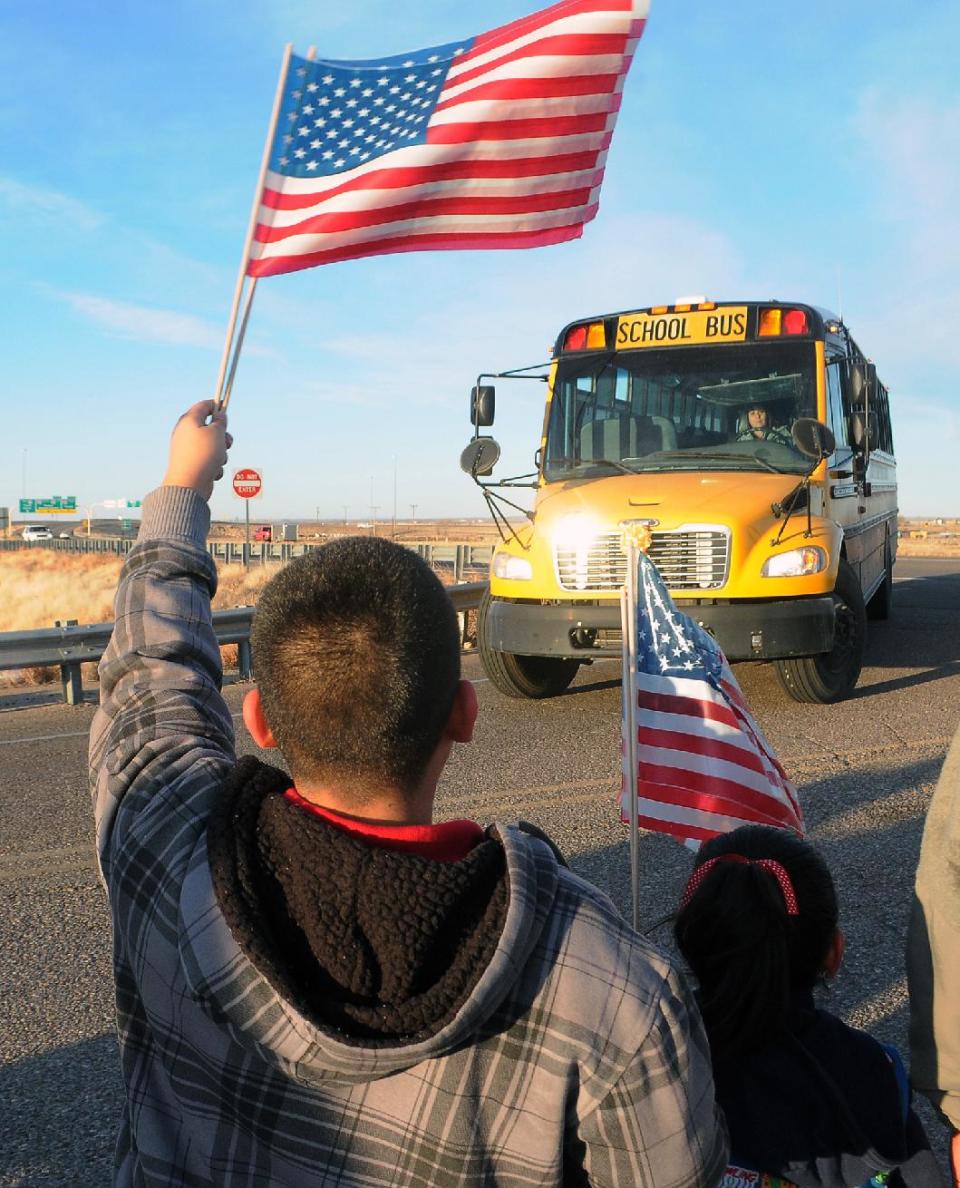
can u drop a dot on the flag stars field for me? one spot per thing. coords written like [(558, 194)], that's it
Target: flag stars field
[(499, 141)]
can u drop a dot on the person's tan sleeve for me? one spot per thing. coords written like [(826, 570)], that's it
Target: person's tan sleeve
[(933, 948)]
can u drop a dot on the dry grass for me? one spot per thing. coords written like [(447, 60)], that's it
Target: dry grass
[(40, 586), (37, 587)]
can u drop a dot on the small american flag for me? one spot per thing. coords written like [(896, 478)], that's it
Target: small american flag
[(704, 766), (495, 141)]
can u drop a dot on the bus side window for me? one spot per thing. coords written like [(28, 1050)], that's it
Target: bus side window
[(835, 408), (881, 411)]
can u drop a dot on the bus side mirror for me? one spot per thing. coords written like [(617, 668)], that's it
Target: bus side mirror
[(483, 401), (813, 438), (870, 382), (864, 434), (480, 457), (856, 384)]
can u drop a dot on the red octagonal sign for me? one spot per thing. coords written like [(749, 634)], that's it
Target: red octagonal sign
[(247, 483)]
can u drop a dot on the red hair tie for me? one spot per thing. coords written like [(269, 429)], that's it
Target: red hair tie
[(771, 865)]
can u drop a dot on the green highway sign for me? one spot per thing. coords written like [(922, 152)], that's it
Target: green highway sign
[(57, 503)]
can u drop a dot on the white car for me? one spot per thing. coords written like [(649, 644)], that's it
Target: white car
[(37, 532)]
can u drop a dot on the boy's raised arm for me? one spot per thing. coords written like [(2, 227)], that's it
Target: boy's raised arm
[(162, 722)]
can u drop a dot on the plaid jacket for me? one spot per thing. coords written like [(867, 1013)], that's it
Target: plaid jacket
[(578, 1058)]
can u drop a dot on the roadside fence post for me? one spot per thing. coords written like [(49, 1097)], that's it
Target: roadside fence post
[(244, 660), (70, 676)]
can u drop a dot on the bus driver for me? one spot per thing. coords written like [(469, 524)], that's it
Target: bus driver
[(756, 426)]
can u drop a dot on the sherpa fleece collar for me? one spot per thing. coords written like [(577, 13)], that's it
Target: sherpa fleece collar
[(379, 948)]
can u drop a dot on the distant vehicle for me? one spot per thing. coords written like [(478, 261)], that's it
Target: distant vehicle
[(65, 535), (263, 533), (37, 532)]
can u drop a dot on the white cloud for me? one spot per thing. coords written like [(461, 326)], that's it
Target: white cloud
[(914, 144), (145, 324), (912, 149), (49, 206)]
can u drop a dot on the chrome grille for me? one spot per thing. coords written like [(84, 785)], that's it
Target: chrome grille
[(692, 558)]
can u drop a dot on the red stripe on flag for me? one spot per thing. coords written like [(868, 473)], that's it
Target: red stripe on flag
[(559, 87), (566, 45), (695, 790), (524, 26), (276, 265), (548, 128), (398, 179), (690, 707), (711, 748), (425, 208)]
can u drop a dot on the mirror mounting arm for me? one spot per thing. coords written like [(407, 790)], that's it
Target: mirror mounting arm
[(503, 525), (785, 507)]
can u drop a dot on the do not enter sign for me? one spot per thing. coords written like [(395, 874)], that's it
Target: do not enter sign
[(247, 483)]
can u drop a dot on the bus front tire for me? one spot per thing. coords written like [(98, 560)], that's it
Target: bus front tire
[(532, 677), (832, 676)]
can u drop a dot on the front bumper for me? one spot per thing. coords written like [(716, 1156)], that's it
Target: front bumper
[(766, 629)]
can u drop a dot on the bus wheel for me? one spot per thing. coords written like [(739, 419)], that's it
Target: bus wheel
[(533, 677), (832, 675), (881, 603)]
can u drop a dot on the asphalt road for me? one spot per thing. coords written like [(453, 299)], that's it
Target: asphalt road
[(865, 770)]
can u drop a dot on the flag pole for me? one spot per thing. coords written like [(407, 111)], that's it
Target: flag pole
[(241, 334), (258, 194), (628, 620)]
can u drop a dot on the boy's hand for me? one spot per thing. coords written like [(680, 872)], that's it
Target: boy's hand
[(198, 450)]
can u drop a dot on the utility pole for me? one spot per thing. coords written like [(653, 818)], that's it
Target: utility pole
[(374, 508), (394, 497), (345, 509), (413, 512)]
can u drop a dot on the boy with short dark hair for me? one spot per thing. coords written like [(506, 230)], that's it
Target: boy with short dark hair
[(316, 984)]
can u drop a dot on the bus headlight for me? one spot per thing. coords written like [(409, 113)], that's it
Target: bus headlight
[(796, 563), (513, 569)]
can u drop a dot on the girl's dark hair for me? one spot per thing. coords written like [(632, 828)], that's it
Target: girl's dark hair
[(747, 953)]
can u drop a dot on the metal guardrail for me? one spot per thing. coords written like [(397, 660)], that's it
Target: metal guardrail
[(461, 557), (70, 644)]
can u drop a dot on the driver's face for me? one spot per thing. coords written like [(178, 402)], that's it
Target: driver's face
[(757, 418)]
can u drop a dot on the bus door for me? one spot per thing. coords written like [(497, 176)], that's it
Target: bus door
[(853, 504)]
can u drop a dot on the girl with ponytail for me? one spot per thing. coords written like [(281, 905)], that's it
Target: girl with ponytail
[(807, 1098)]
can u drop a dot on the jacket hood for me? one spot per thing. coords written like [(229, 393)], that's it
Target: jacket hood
[(356, 962)]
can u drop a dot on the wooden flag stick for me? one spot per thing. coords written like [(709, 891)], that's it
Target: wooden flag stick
[(628, 620), (241, 334), (258, 194)]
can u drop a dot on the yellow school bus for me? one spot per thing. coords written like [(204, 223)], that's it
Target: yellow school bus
[(687, 418)]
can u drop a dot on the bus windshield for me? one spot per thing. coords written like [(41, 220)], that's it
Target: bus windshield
[(707, 408)]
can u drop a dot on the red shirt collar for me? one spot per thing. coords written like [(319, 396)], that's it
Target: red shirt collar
[(448, 841)]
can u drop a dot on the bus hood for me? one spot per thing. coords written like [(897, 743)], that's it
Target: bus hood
[(669, 500)]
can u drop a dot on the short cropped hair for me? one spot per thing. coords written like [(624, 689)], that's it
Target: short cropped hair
[(356, 650)]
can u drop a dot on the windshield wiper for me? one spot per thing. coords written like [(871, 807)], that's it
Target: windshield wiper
[(709, 454), (584, 464)]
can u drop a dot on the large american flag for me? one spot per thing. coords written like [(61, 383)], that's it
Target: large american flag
[(494, 141), (704, 766)]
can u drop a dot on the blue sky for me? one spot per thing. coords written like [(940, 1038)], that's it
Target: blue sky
[(807, 152)]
